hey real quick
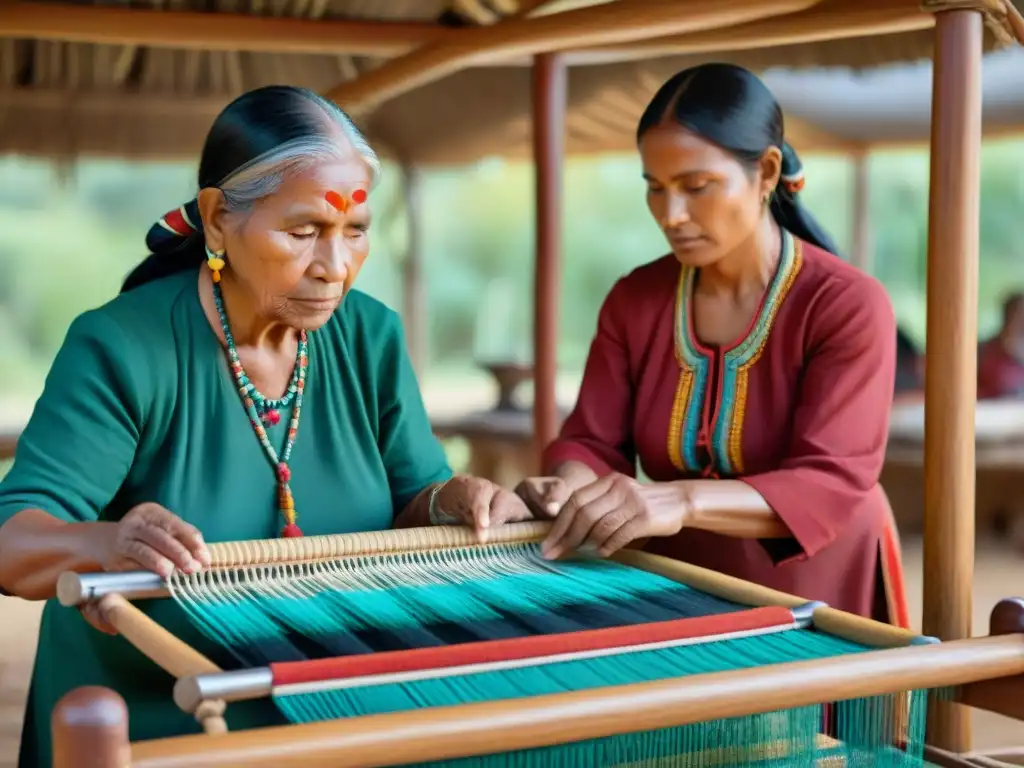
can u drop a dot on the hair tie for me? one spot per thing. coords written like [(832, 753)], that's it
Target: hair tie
[(793, 184), (174, 228), (792, 177)]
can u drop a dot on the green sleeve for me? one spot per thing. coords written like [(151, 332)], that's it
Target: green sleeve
[(413, 456), (80, 442)]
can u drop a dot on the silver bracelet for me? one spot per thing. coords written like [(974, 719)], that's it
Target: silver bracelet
[(437, 517)]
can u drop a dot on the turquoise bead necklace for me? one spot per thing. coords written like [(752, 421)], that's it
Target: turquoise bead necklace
[(266, 411)]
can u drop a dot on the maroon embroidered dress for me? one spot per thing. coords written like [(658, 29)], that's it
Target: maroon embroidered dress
[(798, 408)]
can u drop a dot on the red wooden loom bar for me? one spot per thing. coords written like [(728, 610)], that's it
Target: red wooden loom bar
[(534, 646)]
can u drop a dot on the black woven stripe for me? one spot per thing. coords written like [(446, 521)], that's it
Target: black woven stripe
[(661, 606)]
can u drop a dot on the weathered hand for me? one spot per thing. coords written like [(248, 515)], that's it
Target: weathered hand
[(154, 539), (611, 512), (149, 538), (479, 503), (544, 496)]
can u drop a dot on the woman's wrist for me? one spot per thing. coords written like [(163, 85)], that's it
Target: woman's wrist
[(435, 514), (671, 501), (729, 507), (575, 474)]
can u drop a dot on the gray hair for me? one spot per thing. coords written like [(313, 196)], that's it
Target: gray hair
[(263, 175)]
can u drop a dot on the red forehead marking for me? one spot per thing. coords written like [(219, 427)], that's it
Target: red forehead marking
[(337, 201)]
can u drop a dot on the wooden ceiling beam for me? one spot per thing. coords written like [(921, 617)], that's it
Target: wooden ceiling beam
[(28, 103), (606, 24), (239, 32), (186, 30), (829, 20)]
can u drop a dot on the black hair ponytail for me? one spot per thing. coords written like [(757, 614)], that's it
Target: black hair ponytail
[(789, 212), (175, 244)]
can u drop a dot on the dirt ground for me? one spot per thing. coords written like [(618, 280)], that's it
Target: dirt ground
[(999, 573)]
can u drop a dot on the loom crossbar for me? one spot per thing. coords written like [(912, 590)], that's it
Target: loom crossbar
[(472, 658), (443, 733)]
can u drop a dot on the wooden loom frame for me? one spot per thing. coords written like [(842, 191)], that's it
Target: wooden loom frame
[(94, 721)]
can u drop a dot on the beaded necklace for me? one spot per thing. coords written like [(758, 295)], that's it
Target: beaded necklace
[(262, 410)]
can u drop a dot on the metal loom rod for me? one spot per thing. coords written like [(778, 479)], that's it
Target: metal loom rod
[(74, 589), (464, 731), (396, 667)]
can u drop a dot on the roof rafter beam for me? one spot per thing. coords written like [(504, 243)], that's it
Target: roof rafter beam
[(606, 24), (31, 104), (189, 30), (827, 21)]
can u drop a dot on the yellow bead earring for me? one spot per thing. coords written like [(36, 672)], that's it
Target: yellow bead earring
[(215, 261)]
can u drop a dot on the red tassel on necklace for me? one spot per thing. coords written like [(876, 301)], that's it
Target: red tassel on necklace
[(287, 503)]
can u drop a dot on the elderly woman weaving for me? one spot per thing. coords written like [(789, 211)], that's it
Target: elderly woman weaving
[(238, 388)]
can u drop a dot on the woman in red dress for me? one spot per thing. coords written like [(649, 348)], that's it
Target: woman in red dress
[(750, 372)]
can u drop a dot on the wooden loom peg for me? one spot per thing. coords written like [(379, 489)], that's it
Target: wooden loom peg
[(210, 714), (90, 730), (1004, 695), (1007, 618), (167, 651)]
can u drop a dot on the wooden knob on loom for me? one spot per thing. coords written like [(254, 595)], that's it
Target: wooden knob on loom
[(1007, 618), (210, 714), (90, 730)]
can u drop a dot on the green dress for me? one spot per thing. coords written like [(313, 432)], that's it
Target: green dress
[(140, 407)]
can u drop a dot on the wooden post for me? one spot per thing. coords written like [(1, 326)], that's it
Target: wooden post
[(861, 253), (549, 102), (414, 313), (90, 730), (951, 378)]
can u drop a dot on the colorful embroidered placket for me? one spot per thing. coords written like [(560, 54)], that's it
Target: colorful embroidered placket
[(254, 402)]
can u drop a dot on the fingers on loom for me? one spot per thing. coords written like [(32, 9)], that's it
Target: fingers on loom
[(157, 517), (157, 550), (554, 495), (500, 509), (552, 546), (587, 513), (480, 505), (92, 614), (147, 557), (507, 507), (621, 537)]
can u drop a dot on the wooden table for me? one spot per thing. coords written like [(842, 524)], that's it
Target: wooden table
[(501, 445), (999, 452)]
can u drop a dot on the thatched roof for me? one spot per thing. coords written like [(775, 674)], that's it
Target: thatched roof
[(144, 78)]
